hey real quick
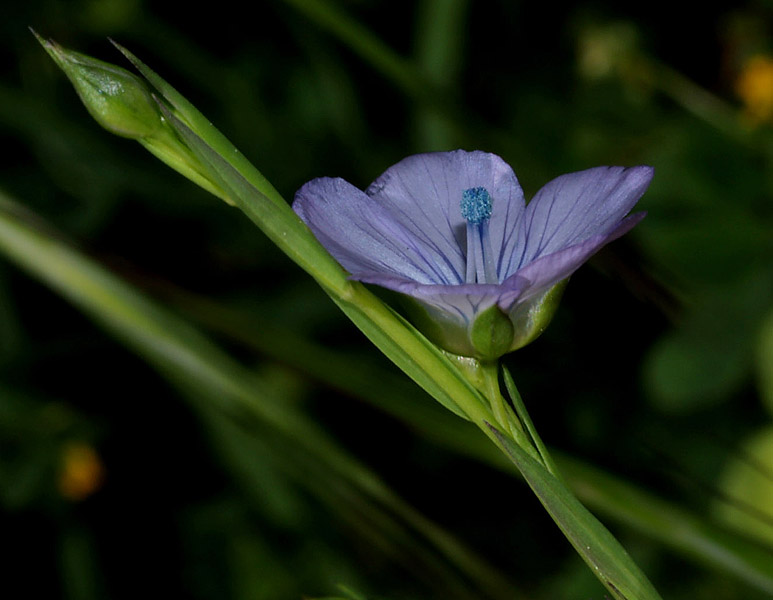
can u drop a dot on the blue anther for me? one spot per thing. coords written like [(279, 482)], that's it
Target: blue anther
[(476, 205)]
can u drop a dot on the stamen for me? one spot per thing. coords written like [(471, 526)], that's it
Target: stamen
[(476, 209), (476, 205)]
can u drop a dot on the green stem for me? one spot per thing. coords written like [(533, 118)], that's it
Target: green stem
[(493, 393), (503, 414)]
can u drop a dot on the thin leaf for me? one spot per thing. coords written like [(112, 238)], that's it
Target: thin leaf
[(598, 548), (204, 128), (523, 415), (692, 536)]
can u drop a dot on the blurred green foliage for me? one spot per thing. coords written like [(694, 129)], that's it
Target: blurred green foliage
[(657, 367)]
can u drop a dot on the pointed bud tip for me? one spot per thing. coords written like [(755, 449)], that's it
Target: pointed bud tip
[(53, 49), (36, 34), (118, 100)]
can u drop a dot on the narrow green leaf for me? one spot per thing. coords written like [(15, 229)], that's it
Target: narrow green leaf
[(79, 564), (691, 535), (523, 415), (440, 38), (764, 362), (598, 548), (439, 41)]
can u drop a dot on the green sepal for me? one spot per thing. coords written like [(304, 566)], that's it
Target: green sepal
[(533, 317), (491, 334)]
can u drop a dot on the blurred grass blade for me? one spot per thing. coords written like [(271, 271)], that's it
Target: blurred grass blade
[(606, 558), (78, 558), (204, 372), (764, 362), (249, 455), (364, 43), (439, 41), (440, 38), (347, 595)]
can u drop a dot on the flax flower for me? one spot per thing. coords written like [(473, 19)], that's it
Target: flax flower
[(451, 233)]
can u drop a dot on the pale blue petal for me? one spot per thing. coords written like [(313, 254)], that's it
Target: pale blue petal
[(463, 300), (575, 207), (544, 272), (424, 192), (360, 233)]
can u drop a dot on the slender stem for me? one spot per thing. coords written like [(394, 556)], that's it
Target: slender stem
[(503, 414), (490, 373)]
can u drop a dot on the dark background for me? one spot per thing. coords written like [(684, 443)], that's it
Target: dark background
[(655, 368)]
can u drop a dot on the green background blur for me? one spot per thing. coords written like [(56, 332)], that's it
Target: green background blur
[(658, 366)]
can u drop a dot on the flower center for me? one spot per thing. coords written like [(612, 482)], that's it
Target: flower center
[(476, 209)]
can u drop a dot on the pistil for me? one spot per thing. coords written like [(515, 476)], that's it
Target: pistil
[(476, 209)]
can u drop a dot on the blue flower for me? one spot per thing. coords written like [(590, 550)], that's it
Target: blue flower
[(451, 232)]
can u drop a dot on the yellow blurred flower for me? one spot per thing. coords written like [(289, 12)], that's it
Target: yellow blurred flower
[(81, 471), (754, 87)]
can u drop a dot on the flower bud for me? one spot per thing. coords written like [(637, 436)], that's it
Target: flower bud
[(118, 100)]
